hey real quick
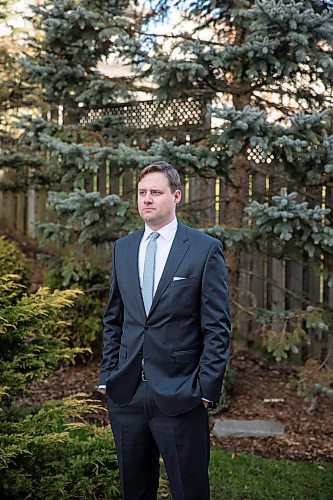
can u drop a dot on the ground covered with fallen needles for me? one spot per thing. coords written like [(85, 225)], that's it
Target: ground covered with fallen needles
[(261, 390)]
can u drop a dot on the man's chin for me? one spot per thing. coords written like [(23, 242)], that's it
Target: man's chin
[(151, 219), (151, 216)]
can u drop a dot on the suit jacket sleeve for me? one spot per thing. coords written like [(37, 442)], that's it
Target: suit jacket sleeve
[(113, 322), (215, 324)]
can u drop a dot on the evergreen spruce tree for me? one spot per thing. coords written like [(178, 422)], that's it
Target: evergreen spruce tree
[(72, 39), (273, 61), (69, 42), (266, 66)]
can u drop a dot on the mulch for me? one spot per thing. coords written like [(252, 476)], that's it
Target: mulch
[(260, 391)]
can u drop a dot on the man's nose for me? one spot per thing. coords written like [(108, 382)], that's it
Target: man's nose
[(148, 198)]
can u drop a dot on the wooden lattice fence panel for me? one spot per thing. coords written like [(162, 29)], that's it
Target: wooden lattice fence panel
[(189, 113)]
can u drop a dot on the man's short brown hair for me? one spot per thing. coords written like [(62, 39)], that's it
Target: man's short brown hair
[(166, 169)]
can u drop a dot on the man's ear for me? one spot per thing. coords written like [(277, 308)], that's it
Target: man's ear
[(178, 196)]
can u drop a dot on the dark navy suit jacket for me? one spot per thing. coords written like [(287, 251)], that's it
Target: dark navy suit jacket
[(184, 340)]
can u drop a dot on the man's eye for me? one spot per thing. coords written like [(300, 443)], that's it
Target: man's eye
[(156, 193), (142, 193)]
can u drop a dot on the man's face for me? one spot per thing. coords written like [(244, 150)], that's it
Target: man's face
[(156, 203)]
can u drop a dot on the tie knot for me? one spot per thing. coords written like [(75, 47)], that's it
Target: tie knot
[(154, 235)]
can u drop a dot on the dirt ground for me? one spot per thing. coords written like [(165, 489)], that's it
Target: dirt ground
[(260, 391)]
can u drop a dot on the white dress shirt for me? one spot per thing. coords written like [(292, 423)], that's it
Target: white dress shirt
[(164, 242)]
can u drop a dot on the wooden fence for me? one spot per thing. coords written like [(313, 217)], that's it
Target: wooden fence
[(264, 282)]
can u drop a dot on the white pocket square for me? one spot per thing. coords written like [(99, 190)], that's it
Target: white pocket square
[(177, 278)]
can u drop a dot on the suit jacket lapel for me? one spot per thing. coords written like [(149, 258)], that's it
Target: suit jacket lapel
[(178, 250), (132, 266)]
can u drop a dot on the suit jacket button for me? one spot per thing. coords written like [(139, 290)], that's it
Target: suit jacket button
[(147, 328)]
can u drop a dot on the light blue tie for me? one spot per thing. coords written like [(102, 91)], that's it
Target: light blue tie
[(148, 272)]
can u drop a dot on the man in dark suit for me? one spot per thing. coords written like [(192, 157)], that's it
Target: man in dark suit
[(166, 340)]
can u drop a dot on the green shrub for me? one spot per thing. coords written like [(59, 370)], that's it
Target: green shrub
[(13, 261), (74, 271), (28, 351), (52, 453), (48, 452), (82, 325)]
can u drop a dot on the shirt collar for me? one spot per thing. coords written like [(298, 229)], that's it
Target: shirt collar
[(166, 232)]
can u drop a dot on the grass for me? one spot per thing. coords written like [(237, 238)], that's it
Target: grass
[(238, 477), (246, 477)]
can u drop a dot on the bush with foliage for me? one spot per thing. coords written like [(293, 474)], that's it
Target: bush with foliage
[(12, 260), (51, 453), (28, 351), (82, 324), (48, 451)]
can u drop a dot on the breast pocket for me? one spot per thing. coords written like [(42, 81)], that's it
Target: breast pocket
[(183, 282)]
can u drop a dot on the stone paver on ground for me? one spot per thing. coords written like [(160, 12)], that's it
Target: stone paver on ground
[(247, 428)]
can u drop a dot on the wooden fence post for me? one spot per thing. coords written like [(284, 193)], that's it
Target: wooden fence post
[(31, 212)]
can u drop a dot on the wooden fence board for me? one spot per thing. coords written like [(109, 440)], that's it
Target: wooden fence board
[(41, 206), (330, 332), (259, 264), (313, 296), (294, 285), (10, 209), (21, 213), (101, 186), (31, 212), (207, 200), (276, 297), (194, 196), (128, 186), (2, 208), (294, 296), (114, 179), (243, 320), (223, 202)]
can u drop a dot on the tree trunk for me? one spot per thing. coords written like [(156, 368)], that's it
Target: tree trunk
[(237, 193)]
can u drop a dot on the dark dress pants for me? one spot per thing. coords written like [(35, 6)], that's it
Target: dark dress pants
[(142, 432)]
